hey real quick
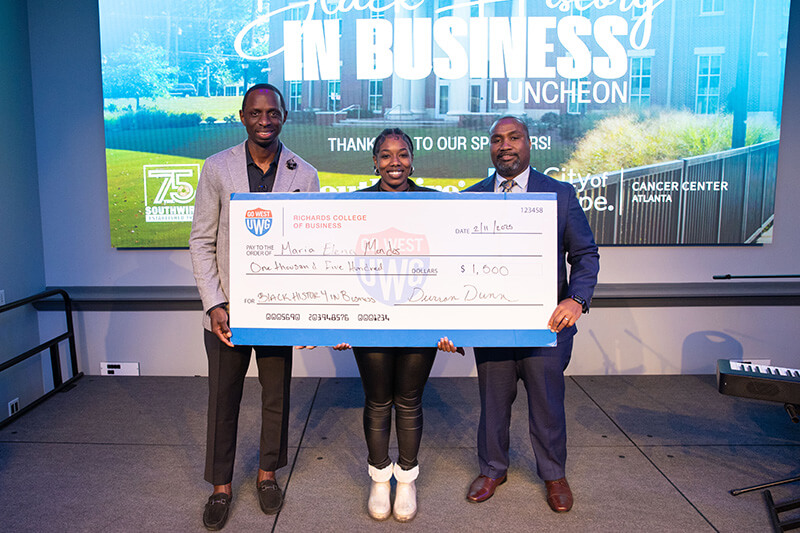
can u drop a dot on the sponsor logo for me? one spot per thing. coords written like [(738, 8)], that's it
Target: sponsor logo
[(391, 264), (258, 221), (169, 192)]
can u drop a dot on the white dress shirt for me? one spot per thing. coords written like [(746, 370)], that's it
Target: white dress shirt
[(520, 181)]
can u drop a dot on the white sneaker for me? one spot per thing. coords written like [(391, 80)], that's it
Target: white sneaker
[(405, 498), (379, 504)]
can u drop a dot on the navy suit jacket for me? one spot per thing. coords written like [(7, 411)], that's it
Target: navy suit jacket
[(576, 244)]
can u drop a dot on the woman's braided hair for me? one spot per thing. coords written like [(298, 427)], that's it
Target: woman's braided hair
[(388, 132)]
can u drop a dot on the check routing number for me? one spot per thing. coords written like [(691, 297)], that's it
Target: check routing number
[(392, 269)]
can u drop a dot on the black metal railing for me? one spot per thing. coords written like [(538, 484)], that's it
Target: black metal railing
[(722, 198), (52, 345)]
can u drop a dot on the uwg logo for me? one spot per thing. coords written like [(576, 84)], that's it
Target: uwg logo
[(168, 192), (258, 221), (390, 264)]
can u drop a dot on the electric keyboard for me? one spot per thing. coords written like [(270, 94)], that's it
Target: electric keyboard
[(760, 382)]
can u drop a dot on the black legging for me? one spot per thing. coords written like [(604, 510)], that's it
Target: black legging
[(393, 376)]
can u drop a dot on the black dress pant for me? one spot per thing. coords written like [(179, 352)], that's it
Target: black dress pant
[(393, 376), (226, 372)]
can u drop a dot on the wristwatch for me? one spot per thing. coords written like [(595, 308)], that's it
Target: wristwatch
[(582, 301)]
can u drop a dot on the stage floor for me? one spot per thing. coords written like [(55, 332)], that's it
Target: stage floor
[(646, 453)]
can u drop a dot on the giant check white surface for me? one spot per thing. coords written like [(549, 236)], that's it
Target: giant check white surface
[(393, 269)]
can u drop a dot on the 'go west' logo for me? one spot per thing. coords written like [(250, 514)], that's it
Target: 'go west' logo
[(169, 191), (258, 221), (391, 263)]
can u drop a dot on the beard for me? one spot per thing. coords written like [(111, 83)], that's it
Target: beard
[(510, 169)]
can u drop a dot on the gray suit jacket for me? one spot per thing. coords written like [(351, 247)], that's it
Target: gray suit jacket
[(209, 242)]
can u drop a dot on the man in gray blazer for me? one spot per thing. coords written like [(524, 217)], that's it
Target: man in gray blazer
[(260, 164)]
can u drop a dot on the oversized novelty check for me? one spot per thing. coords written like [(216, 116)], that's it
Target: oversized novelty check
[(393, 269)]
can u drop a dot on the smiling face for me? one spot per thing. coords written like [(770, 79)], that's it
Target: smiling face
[(393, 162), (263, 117), (510, 147)]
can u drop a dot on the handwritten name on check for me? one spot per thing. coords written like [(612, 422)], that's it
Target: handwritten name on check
[(393, 269)]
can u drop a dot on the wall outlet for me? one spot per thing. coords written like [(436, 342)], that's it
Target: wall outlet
[(2, 297), (119, 369), (13, 407)]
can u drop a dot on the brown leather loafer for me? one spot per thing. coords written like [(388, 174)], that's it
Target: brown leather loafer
[(559, 497), (483, 488)]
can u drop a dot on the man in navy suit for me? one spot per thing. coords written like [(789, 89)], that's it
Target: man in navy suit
[(541, 369)]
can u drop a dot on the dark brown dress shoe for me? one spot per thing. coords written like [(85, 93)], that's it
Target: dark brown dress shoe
[(559, 497), (483, 488), (216, 512), (270, 496)]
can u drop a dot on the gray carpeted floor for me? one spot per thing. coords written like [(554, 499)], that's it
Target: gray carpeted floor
[(646, 453)]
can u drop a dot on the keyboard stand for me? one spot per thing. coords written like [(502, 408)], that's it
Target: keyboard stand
[(782, 508), (791, 410)]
